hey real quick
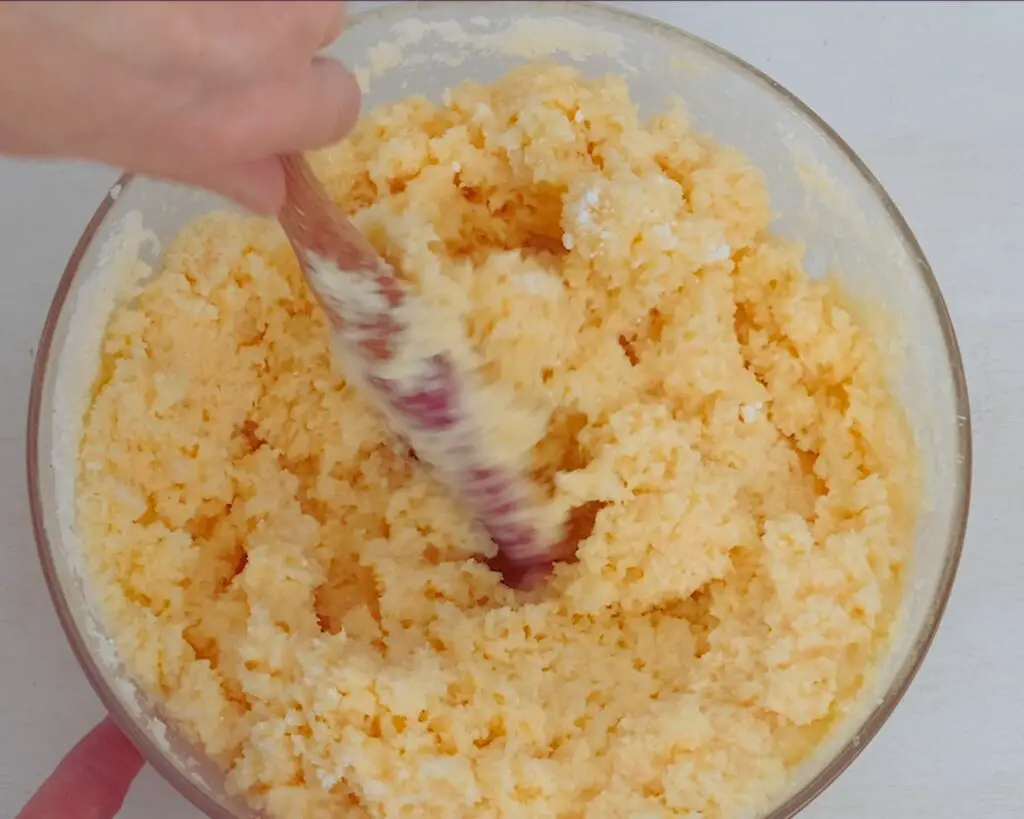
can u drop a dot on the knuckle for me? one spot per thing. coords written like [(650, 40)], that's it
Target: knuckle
[(313, 23), (261, 39)]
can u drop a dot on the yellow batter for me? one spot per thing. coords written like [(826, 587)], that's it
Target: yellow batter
[(716, 426)]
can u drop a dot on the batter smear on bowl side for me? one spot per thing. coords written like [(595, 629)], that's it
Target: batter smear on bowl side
[(711, 426)]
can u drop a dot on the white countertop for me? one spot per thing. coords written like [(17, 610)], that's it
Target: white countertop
[(929, 96)]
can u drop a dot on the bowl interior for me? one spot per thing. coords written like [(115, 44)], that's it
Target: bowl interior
[(822, 194)]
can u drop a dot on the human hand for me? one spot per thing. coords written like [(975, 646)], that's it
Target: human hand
[(205, 93), (91, 781)]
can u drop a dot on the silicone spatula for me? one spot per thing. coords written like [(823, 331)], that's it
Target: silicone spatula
[(422, 393)]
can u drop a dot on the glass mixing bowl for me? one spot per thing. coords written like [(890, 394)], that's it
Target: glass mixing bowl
[(822, 193)]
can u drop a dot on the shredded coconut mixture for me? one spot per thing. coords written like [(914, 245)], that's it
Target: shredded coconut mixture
[(712, 426)]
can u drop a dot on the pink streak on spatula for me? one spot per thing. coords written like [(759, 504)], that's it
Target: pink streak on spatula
[(425, 395)]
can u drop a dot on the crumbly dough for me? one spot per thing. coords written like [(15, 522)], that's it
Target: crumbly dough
[(302, 597)]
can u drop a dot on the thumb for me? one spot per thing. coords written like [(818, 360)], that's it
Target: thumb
[(92, 781)]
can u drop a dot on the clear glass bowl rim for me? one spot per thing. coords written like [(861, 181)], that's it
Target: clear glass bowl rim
[(921, 642)]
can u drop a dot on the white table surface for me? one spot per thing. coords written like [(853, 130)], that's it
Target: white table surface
[(929, 95)]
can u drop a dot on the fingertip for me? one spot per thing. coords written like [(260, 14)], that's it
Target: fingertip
[(108, 735), (303, 112), (264, 194), (116, 759), (334, 100), (258, 186), (91, 781)]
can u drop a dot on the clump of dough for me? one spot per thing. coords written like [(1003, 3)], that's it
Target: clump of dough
[(715, 426)]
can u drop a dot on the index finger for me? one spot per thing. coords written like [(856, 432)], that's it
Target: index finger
[(92, 781)]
